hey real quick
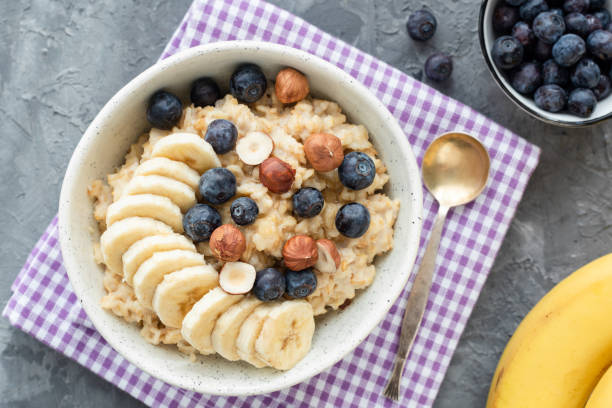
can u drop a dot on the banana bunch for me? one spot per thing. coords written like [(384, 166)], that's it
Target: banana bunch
[(560, 351), (145, 245)]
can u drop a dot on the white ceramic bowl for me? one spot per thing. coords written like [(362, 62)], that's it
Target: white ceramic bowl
[(103, 147), (602, 111)]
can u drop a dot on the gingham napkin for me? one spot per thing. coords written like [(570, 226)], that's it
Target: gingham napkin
[(44, 305)]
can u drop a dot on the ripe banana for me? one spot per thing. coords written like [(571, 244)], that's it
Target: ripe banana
[(179, 193), (122, 234), (162, 166), (601, 397), (562, 347), (199, 322), (151, 272), (187, 148), (228, 326), (179, 291), (146, 205), (249, 332)]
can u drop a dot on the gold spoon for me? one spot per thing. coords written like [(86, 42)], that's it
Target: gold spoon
[(455, 171)]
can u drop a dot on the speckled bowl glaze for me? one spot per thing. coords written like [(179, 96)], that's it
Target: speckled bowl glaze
[(602, 111), (103, 147)]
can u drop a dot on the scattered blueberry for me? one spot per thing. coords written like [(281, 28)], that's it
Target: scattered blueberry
[(164, 110), (200, 221), (353, 220), (504, 18), (522, 32), (581, 102), (300, 284), (422, 25), (551, 98), (507, 52), (585, 74), (248, 83), (222, 135), (204, 92), (439, 67), (577, 23), (548, 27), (308, 202), (568, 50), (594, 23), (575, 6), (531, 9), (357, 171), (604, 16), (600, 44), (602, 90), (542, 51), (527, 78), (244, 211), (553, 73), (515, 2), (269, 284), (217, 185)]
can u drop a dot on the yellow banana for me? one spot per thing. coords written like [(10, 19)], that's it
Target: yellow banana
[(562, 347), (601, 397)]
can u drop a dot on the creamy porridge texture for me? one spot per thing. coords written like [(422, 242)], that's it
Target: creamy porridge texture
[(134, 295)]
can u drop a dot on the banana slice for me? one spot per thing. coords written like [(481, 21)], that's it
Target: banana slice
[(286, 334), (249, 332), (199, 322), (152, 271), (228, 326), (179, 193), (122, 234), (143, 249), (187, 148), (161, 166), (146, 205), (179, 291), (254, 148)]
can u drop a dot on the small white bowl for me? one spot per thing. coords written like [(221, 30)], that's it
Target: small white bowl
[(103, 147), (487, 36)]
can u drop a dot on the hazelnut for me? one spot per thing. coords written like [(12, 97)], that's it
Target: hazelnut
[(276, 175), (291, 86), (329, 257), (324, 151), (300, 252), (227, 243)]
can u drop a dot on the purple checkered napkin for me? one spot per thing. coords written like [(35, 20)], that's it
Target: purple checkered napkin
[(44, 305)]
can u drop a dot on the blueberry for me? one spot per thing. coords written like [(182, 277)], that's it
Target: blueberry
[(307, 202), (515, 2), (603, 88), (504, 18), (507, 52), (577, 23), (421, 25), (204, 92), (200, 221), (568, 50), (553, 73), (575, 6), (604, 16), (244, 211), (548, 27), (551, 98), (527, 78), (222, 135), (596, 4), (248, 83), (542, 51), (523, 33), (439, 67), (269, 284), (357, 171), (164, 110), (353, 220), (581, 102), (600, 44), (217, 185), (593, 22), (300, 284), (531, 9), (585, 74)]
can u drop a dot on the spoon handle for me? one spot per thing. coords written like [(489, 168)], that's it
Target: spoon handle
[(415, 307)]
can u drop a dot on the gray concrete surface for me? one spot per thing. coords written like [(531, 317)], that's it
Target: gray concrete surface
[(61, 60)]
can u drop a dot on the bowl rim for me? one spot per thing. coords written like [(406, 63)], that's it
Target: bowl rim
[(510, 93), (65, 205)]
